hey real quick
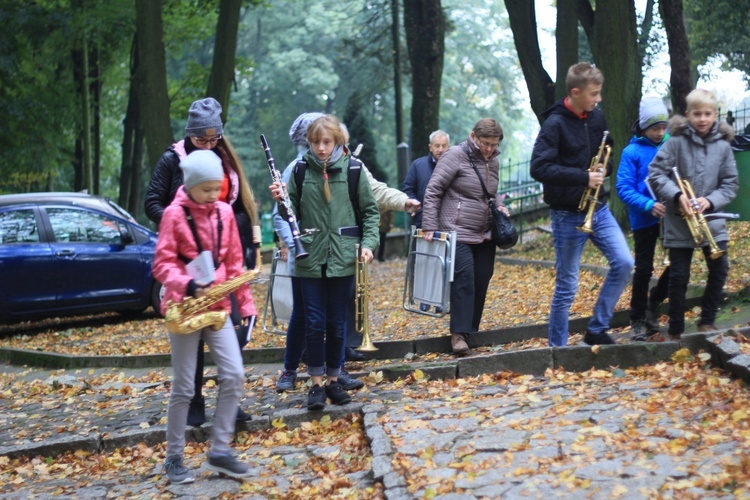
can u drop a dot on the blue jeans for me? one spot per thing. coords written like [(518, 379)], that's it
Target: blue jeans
[(608, 238), (295, 333), (326, 301)]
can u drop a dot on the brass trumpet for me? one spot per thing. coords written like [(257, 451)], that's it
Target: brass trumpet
[(362, 299), (695, 220), (590, 197)]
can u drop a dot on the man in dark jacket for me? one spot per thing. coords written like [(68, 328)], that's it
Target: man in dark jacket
[(569, 138), (421, 170)]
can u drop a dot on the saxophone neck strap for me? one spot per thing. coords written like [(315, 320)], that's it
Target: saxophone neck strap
[(193, 229)]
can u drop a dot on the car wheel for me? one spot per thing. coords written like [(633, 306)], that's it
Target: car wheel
[(157, 295)]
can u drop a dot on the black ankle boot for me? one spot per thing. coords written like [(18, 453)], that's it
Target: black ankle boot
[(652, 317), (197, 412)]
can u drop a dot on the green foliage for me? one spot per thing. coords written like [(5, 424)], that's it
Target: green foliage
[(39, 107), (312, 61), (292, 57), (720, 28), (482, 77), (360, 132)]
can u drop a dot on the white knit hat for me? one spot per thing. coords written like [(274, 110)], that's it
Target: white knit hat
[(652, 111), (200, 166), (298, 131)]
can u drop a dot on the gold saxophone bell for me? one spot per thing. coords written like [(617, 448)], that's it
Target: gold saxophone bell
[(697, 223), (590, 197), (361, 307), (193, 313)]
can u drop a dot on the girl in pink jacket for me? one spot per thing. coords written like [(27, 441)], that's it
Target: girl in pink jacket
[(215, 232)]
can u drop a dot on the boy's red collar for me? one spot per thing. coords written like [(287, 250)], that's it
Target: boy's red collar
[(583, 115)]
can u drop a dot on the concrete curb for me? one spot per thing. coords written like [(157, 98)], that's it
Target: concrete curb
[(531, 361), (726, 354), (103, 443)]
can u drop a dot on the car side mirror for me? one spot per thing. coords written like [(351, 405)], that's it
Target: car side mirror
[(125, 237)]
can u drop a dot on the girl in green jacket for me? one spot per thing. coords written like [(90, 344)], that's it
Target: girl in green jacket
[(330, 229)]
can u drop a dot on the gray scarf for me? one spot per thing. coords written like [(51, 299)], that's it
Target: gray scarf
[(336, 155)]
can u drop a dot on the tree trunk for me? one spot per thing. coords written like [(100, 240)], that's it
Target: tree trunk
[(523, 24), (614, 43), (152, 70), (96, 109), (225, 48), (136, 190), (129, 124), (128, 133), (398, 103), (424, 23), (81, 65), (679, 52), (566, 39), (648, 21)]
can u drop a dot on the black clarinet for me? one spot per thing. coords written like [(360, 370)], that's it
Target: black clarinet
[(285, 204)]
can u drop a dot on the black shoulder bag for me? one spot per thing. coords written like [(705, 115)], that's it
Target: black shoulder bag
[(504, 234), (241, 328)]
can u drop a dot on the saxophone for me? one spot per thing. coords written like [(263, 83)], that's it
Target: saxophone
[(193, 313)]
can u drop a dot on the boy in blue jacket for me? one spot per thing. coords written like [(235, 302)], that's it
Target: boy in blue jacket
[(645, 214)]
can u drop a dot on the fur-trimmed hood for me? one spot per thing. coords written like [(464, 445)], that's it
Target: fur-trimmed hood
[(679, 125), (708, 163)]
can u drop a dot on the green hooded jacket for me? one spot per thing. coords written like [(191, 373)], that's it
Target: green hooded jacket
[(325, 245)]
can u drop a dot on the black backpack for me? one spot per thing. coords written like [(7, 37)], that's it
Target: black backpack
[(352, 179)]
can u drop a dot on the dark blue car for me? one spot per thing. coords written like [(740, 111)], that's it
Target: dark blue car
[(64, 254)]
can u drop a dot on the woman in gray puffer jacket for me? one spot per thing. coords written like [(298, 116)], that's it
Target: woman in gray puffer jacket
[(699, 149), (454, 201)]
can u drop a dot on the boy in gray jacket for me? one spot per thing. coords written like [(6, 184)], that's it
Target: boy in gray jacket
[(700, 151)]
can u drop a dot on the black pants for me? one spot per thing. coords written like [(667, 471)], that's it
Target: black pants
[(645, 247), (474, 266), (381, 247), (679, 277)]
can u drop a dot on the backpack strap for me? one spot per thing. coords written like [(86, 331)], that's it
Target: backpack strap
[(299, 178), (352, 178), (353, 174)]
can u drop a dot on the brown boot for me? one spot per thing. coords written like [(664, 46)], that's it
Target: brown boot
[(707, 328), (459, 345)]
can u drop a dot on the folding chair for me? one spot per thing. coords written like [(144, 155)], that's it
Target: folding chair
[(429, 273)]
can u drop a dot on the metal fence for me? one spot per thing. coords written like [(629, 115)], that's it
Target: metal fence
[(520, 193), (739, 119)]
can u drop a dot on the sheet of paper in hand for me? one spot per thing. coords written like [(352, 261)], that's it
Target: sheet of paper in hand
[(201, 269)]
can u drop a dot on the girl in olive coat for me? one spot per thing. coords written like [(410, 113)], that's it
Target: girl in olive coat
[(331, 230)]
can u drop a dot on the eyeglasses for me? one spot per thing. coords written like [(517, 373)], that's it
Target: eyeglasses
[(202, 141), (486, 145)]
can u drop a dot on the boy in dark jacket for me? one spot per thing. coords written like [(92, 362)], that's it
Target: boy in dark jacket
[(569, 138), (645, 214), (699, 150)]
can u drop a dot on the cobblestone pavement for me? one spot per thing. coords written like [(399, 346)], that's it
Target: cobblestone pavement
[(606, 433)]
